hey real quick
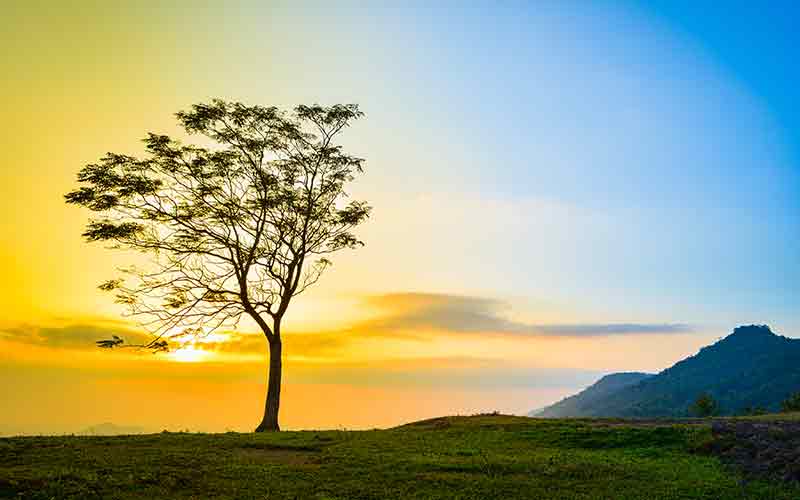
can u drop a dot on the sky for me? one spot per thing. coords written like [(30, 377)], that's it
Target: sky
[(561, 190)]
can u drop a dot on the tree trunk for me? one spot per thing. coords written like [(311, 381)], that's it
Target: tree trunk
[(273, 403)]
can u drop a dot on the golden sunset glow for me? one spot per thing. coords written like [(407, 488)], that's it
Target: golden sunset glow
[(188, 354)]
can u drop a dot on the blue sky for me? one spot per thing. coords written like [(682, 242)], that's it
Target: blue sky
[(673, 123)]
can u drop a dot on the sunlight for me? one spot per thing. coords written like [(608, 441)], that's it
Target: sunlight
[(188, 354)]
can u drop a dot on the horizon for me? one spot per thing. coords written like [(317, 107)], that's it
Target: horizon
[(121, 428), (558, 194)]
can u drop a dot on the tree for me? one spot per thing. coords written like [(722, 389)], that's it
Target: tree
[(791, 404), (234, 229), (704, 406), (754, 411)]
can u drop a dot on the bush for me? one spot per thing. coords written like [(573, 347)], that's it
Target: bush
[(792, 403), (754, 411), (704, 406)]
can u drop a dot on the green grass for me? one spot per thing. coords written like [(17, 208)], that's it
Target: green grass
[(785, 417), (482, 457)]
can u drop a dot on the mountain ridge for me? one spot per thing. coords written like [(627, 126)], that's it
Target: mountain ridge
[(603, 387), (751, 367)]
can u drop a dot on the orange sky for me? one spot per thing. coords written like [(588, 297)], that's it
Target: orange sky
[(410, 358)]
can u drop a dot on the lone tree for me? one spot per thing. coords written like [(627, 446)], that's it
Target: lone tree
[(704, 406), (238, 227)]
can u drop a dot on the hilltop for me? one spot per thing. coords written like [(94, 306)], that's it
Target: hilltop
[(752, 367)]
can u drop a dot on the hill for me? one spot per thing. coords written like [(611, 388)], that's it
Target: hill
[(751, 367), (480, 457), (584, 400)]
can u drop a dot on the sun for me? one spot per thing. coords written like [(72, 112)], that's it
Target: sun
[(188, 354)]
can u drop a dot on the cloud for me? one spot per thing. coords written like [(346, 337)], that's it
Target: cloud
[(85, 336), (406, 316), (464, 314), (79, 336), (309, 344), (601, 330)]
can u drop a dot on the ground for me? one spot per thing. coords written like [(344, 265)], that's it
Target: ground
[(479, 457)]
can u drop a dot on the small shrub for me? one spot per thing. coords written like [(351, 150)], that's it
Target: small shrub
[(754, 411), (792, 403), (704, 406)]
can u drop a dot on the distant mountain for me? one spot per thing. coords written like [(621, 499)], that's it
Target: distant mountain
[(583, 401), (749, 368), (109, 429)]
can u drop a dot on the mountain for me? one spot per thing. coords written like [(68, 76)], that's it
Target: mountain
[(584, 400), (749, 368)]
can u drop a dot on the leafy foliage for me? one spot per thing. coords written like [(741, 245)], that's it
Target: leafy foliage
[(704, 406), (237, 228), (792, 403), (114, 341)]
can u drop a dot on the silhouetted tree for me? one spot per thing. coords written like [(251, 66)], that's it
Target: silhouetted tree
[(235, 228), (792, 403), (704, 406)]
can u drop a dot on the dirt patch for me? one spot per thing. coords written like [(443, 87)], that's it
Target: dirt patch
[(767, 449)]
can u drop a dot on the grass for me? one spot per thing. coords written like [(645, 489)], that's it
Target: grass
[(482, 457), (771, 417)]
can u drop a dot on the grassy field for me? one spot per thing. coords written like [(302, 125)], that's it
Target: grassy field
[(772, 417), (481, 457)]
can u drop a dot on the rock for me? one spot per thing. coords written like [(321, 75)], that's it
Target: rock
[(769, 449)]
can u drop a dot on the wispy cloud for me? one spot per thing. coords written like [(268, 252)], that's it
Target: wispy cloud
[(606, 329), (306, 344), (77, 336), (463, 314), (404, 316)]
